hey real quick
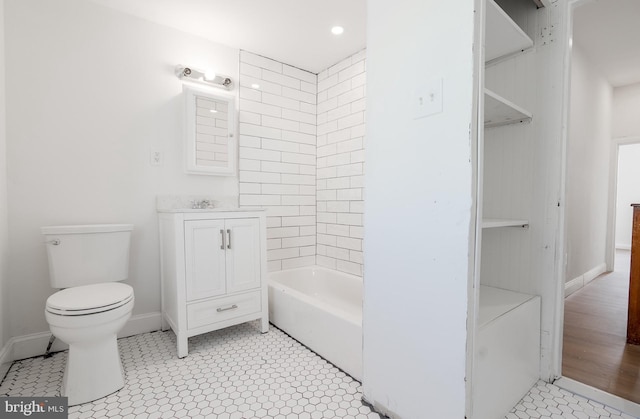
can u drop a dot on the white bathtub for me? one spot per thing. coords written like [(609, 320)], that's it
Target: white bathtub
[(322, 309)]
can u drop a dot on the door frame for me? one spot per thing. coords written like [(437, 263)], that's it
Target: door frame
[(613, 196)]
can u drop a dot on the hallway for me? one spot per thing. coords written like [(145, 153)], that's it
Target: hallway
[(595, 322)]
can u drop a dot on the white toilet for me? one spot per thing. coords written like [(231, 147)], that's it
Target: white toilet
[(88, 261)]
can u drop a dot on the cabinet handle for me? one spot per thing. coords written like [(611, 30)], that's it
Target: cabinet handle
[(229, 241), (220, 310), (223, 239)]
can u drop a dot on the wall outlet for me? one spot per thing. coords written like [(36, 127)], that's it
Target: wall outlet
[(156, 158), (427, 99)]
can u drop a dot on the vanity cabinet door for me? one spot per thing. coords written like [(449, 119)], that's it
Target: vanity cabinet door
[(205, 258), (243, 254)]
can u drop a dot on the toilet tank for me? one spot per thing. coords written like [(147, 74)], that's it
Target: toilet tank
[(87, 254)]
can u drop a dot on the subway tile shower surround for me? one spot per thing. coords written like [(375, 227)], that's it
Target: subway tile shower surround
[(302, 158)]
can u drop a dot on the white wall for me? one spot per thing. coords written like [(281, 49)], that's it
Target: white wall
[(418, 208), (628, 192), (278, 156), (4, 314), (92, 92), (626, 111), (341, 129), (588, 152)]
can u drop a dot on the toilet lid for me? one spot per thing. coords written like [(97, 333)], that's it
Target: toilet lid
[(89, 299)]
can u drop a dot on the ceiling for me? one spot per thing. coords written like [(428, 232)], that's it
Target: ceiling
[(608, 31), (295, 32)]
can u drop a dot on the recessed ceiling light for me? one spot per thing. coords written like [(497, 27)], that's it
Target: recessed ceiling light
[(255, 86), (337, 30)]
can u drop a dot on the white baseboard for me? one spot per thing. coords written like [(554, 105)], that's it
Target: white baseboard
[(580, 281), (608, 399), (35, 344), (5, 360)]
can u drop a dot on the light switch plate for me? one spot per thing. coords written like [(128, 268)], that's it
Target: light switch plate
[(427, 99)]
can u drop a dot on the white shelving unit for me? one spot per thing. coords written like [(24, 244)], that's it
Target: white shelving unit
[(503, 222), (503, 36), (500, 111)]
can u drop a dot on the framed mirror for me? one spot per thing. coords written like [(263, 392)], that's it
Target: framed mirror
[(210, 137)]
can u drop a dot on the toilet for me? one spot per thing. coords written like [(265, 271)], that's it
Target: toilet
[(87, 262)]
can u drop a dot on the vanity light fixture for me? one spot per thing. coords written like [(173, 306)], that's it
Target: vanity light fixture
[(337, 30), (205, 77)]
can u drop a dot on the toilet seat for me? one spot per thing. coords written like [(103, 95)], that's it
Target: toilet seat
[(89, 299)]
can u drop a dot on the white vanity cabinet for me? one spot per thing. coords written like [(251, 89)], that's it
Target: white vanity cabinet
[(213, 267)]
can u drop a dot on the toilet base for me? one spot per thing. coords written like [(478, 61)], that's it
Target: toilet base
[(93, 371)]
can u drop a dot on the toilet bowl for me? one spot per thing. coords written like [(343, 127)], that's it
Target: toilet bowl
[(89, 317)]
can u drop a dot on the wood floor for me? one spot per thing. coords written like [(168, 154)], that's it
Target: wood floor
[(595, 325)]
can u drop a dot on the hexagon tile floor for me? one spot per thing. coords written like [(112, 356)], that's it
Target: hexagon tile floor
[(239, 373)]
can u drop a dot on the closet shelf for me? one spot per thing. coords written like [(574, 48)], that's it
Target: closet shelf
[(502, 35), (503, 222), (500, 111), (496, 302)]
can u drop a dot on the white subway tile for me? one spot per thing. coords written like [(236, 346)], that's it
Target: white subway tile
[(327, 83), (349, 219), (327, 127), (259, 177), (351, 120), (357, 232), (308, 230), (338, 229), (299, 137), (358, 105), (356, 207), (358, 131), (349, 267), (250, 188), (338, 89), (323, 75), (274, 244), (306, 220), (259, 154), (338, 206), (283, 211), (360, 55), (285, 124), (299, 241), (349, 194), (339, 160), (300, 74), (299, 116), (274, 266), (327, 105), (298, 200), (259, 61), (357, 181), (349, 243), (327, 240), (351, 96), (308, 190), (339, 112), (308, 149), (327, 172), (327, 150), (265, 86), (278, 189), (308, 251), (298, 158), (353, 169), (279, 145), (359, 80), (299, 95), (322, 96), (274, 222), (326, 262), (260, 108), (299, 262), (321, 206), (351, 71), (250, 94), (259, 200), (339, 183), (308, 108), (275, 167), (279, 254), (321, 228), (249, 117), (307, 210), (279, 232), (250, 70), (307, 170), (309, 88), (357, 156), (280, 101), (336, 68), (298, 179), (281, 79), (339, 136), (308, 128), (246, 164), (326, 217), (248, 141)]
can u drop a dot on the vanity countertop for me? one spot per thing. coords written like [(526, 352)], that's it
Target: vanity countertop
[(205, 210)]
